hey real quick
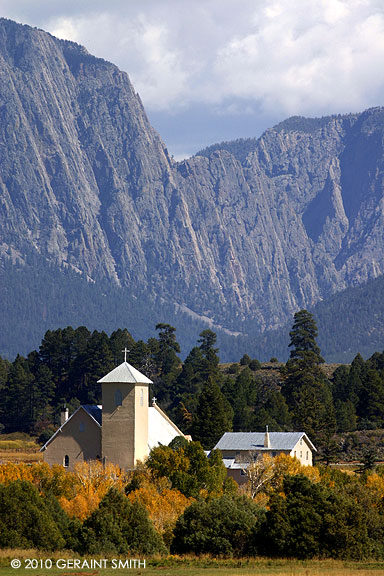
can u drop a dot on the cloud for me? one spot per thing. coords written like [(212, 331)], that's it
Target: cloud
[(274, 57), (305, 57)]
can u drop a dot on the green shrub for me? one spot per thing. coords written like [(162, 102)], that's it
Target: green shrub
[(119, 526), (245, 360), (255, 364), (222, 527), (311, 520), (27, 520)]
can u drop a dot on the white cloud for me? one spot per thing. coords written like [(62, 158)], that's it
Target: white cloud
[(306, 57), (275, 56), (66, 29)]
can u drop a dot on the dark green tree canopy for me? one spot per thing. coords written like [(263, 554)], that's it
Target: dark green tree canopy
[(27, 520), (303, 337), (222, 526), (121, 527), (213, 417)]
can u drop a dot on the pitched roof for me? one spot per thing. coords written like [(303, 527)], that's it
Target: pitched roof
[(125, 373), (161, 430), (93, 411), (255, 441)]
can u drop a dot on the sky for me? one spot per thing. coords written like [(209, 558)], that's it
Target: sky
[(214, 70)]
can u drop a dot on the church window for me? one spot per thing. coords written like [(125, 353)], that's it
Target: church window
[(66, 461), (118, 398), (301, 454), (141, 397), (307, 455), (81, 426)]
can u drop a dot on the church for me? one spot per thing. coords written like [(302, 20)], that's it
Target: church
[(121, 431)]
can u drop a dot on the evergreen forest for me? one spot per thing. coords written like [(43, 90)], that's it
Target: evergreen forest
[(179, 501), (37, 297), (203, 397)]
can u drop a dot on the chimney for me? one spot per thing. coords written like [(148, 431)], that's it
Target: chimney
[(64, 415), (267, 442)]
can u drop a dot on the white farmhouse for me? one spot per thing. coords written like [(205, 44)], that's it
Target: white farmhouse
[(240, 448)]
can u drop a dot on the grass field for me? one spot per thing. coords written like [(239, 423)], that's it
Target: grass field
[(19, 447), (63, 564)]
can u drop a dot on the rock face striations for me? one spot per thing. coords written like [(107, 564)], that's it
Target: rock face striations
[(247, 232)]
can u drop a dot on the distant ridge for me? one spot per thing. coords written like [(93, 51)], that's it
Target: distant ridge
[(243, 234)]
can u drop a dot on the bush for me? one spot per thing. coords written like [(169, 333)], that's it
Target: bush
[(255, 365), (119, 526), (310, 520), (188, 469), (222, 527), (233, 369), (45, 435), (27, 520), (245, 360)]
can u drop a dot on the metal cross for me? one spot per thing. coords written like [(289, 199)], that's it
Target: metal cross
[(125, 353)]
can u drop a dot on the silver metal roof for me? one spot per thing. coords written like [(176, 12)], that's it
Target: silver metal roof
[(249, 441), (125, 373)]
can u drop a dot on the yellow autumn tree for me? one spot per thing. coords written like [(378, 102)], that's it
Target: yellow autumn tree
[(286, 465), (265, 474), (164, 504), (375, 483), (91, 482), (54, 479), (10, 472)]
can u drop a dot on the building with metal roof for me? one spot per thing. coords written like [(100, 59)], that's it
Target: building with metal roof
[(239, 449)]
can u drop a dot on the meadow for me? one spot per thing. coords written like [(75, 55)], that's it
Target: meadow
[(19, 447), (186, 566)]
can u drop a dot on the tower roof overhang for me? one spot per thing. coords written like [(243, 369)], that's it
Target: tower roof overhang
[(125, 374)]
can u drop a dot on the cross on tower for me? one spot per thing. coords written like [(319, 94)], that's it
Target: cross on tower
[(125, 353)]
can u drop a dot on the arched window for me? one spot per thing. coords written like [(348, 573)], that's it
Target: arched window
[(141, 397), (81, 426), (66, 461), (118, 398)]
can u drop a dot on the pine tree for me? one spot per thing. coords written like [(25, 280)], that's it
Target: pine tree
[(18, 397), (214, 415), (303, 338), (306, 389)]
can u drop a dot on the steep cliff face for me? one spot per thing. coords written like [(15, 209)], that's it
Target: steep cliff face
[(307, 211), (241, 235), (78, 156)]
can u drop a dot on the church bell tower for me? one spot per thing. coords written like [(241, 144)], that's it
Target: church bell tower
[(124, 431)]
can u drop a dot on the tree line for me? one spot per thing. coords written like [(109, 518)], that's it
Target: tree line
[(203, 398), (182, 502)]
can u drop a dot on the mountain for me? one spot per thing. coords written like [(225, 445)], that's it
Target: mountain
[(349, 322), (241, 235)]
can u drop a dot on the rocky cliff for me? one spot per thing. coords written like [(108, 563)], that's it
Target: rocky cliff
[(244, 234)]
